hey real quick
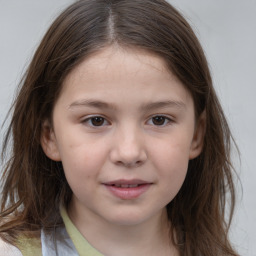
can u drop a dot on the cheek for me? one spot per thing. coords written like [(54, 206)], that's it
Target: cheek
[(172, 153), (82, 161), (171, 161), (81, 168)]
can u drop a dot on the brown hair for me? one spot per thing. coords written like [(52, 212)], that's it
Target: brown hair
[(33, 185)]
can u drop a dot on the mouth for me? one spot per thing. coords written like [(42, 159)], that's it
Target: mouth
[(126, 185), (127, 189), (122, 183)]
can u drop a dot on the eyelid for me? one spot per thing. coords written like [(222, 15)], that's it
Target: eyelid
[(88, 118), (169, 119)]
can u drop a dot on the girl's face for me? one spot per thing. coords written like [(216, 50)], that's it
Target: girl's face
[(124, 129)]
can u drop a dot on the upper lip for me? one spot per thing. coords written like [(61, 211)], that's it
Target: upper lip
[(127, 182)]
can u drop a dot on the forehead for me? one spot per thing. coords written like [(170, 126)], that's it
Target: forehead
[(119, 60), (116, 71)]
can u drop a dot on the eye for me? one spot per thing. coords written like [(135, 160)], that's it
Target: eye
[(95, 121), (159, 120)]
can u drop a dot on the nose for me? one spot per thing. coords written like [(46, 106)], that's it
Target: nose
[(128, 149)]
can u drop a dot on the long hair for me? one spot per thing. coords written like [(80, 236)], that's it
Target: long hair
[(34, 185)]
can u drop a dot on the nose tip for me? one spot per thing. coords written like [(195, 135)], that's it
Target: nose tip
[(129, 152)]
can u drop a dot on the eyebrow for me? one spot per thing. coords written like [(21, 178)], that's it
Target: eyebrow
[(92, 103), (163, 104), (145, 107)]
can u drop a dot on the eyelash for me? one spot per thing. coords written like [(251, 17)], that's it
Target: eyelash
[(88, 121), (167, 120)]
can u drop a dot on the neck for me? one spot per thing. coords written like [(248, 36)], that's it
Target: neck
[(151, 237)]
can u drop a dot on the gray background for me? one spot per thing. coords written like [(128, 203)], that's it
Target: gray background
[(227, 31)]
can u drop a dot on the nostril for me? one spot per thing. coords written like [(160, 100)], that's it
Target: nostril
[(129, 157), (134, 164), (129, 164)]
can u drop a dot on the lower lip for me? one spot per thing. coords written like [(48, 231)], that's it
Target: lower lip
[(128, 193)]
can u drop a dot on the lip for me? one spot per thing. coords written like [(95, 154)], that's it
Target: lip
[(127, 182), (138, 187)]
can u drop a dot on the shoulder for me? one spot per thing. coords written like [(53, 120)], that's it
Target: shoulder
[(29, 246), (23, 247), (7, 249)]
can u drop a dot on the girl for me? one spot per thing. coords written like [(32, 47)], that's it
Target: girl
[(119, 143)]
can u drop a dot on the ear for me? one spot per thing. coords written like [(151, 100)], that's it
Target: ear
[(48, 142), (198, 138)]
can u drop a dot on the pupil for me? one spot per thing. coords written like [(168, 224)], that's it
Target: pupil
[(158, 120), (97, 121)]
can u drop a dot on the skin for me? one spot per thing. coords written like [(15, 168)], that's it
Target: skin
[(127, 89)]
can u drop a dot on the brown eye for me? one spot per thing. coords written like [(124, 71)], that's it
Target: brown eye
[(160, 120), (97, 121)]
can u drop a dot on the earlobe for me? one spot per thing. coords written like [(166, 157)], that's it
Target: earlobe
[(198, 138), (48, 142)]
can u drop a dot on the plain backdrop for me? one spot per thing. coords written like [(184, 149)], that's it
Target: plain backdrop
[(227, 31)]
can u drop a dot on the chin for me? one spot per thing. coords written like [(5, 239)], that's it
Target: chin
[(127, 222), (129, 218)]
